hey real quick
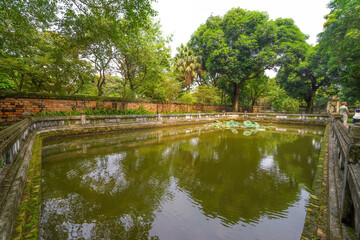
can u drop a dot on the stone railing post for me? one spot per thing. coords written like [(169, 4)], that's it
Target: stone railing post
[(158, 116), (303, 115), (83, 117), (199, 114)]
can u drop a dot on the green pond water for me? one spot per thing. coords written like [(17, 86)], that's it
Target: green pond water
[(181, 183)]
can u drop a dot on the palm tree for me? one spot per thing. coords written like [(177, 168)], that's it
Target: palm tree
[(187, 65)]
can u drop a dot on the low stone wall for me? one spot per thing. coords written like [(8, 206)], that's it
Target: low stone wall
[(12, 108), (16, 150)]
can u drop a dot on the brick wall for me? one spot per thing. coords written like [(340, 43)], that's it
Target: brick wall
[(12, 108)]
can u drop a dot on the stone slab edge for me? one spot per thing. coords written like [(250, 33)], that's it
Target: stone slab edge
[(315, 226), (9, 211)]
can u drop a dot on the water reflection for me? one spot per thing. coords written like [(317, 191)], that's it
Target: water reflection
[(177, 184)]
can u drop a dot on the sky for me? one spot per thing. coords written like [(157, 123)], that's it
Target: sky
[(181, 18)]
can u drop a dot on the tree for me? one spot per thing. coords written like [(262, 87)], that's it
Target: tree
[(142, 59), (341, 39), (54, 67), (187, 65), (166, 90), (304, 79), (6, 83), (254, 89), (100, 24), (243, 44), (280, 100), (207, 95), (20, 22), (44, 43)]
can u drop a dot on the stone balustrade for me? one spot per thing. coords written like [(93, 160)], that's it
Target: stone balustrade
[(344, 179), (11, 137)]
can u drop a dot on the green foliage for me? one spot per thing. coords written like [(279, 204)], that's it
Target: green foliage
[(341, 39), (324, 93), (243, 44), (95, 111), (254, 89), (57, 113), (187, 65), (142, 59), (281, 101), (165, 90), (59, 46), (110, 111), (302, 80), (6, 84), (107, 111), (187, 98), (207, 95)]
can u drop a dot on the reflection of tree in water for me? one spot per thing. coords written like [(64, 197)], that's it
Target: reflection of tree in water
[(116, 195), (299, 164), (231, 177), (223, 174)]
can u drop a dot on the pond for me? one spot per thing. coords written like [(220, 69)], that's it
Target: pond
[(180, 183)]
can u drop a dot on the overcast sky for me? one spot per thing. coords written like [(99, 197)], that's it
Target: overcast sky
[(182, 17)]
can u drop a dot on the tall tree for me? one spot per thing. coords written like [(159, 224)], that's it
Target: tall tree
[(99, 24), (142, 58), (36, 59), (254, 89), (243, 44), (304, 79), (341, 38), (20, 22)]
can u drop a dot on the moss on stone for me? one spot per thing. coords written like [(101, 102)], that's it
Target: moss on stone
[(315, 226), (27, 222)]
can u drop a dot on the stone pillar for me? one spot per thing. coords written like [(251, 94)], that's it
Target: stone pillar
[(354, 132), (333, 105), (83, 118)]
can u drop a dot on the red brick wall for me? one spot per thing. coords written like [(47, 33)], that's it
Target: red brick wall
[(12, 108)]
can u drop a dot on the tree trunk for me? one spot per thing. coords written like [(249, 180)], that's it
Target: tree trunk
[(236, 96), (309, 104), (252, 104), (100, 87), (100, 83)]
